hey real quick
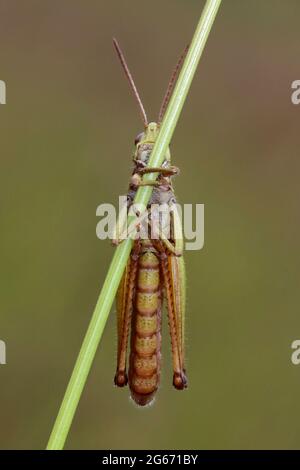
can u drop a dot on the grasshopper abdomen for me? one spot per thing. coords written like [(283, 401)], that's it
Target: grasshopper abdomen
[(145, 355)]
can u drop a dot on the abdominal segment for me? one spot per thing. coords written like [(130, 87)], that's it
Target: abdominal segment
[(144, 366)]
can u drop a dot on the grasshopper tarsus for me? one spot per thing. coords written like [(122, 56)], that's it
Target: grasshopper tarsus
[(121, 379), (180, 380)]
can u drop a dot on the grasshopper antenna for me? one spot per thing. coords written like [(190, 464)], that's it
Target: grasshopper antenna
[(131, 82), (171, 85)]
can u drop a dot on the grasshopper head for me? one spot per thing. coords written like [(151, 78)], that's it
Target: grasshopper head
[(145, 141), (151, 132), (149, 135)]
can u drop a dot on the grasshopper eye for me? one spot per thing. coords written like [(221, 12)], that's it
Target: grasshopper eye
[(138, 138)]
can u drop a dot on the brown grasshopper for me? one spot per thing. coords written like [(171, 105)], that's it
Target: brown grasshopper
[(155, 270)]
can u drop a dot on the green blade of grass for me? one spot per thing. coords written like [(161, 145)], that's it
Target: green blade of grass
[(94, 333)]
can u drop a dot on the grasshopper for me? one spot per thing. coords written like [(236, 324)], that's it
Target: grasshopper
[(155, 270)]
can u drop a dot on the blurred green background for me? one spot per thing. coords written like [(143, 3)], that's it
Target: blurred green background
[(67, 134)]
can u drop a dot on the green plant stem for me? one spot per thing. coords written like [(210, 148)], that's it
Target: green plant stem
[(117, 266)]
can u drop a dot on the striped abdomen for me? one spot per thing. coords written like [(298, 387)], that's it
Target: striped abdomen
[(144, 367)]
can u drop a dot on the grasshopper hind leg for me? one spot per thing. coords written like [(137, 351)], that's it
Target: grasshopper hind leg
[(173, 274), (125, 298)]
